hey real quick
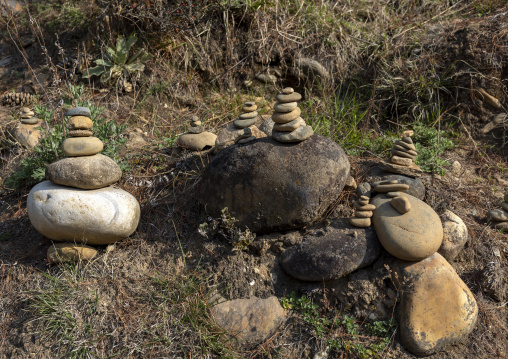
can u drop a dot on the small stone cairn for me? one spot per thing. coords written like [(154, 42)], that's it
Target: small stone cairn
[(77, 205), (289, 126), (363, 212), (245, 137), (402, 156), (28, 117), (195, 125), (248, 116), (196, 138), (499, 217)]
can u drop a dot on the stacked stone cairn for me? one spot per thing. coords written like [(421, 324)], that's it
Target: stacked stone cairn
[(248, 116), (499, 217), (28, 117), (363, 213), (196, 138), (26, 132), (245, 137), (403, 155), (77, 203), (436, 307), (289, 126)]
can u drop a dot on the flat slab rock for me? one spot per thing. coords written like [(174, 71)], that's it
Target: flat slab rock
[(437, 308), (270, 186), (252, 320), (341, 250)]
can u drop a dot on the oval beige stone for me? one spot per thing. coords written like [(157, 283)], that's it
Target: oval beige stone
[(79, 123), (285, 117), (412, 237), (285, 107), (70, 252), (360, 222), (82, 146), (197, 142), (401, 204), (290, 126)]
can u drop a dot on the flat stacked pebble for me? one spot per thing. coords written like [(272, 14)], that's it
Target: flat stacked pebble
[(289, 126), (245, 137), (77, 204), (363, 213), (248, 116), (28, 117), (404, 152), (195, 125), (499, 217)]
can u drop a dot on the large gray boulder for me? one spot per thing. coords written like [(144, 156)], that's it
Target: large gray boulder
[(270, 186)]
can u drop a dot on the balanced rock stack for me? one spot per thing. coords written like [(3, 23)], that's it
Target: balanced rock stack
[(196, 139), (245, 137), (289, 126), (499, 217), (77, 204), (363, 213), (436, 306), (402, 156), (25, 132), (248, 116)]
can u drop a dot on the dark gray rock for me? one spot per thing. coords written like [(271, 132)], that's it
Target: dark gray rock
[(270, 186), (363, 189), (78, 111), (267, 126), (340, 251), (416, 186)]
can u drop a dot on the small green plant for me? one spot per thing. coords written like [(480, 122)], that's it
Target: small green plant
[(117, 62), (430, 145), (225, 226)]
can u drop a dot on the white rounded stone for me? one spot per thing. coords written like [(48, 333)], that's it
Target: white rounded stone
[(99, 216)]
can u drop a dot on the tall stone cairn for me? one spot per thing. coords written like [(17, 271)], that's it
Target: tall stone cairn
[(289, 126)]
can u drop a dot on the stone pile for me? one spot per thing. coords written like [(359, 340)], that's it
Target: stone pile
[(436, 306), (245, 137), (77, 203), (363, 213), (196, 139), (402, 156), (248, 116), (499, 217), (26, 132), (289, 126), (28, 117)]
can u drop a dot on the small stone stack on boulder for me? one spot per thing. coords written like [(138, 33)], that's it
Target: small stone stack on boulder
[(363, 213), (245, 137), (436, 307), (77, 204), (289, 126), (499, 217), (402, 156), (25, 132), (196, 139), (248, 116)]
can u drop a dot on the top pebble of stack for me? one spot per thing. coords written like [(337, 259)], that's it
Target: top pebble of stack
[(289, 126)]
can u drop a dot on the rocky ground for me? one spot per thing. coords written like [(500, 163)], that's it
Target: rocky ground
[(150, 295)]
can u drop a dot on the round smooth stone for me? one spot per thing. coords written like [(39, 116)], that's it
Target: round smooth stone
[(285, 117), (85, 172), (285, 107), (407, 145), (363, 214), (283, 98), (245, 140), (80, 133), (197, 142), (300, 134), (249, 107), (402, 154), (504, 205), (244, 123), (365, 207), (79, 123), (360, 222), (401, 161), (82, 146), (30, 121), (99, 216), (288, 90), (498, 215), (383, 188), (78, 111), (401, 204), (248, 115), (412, 237), (290, 126)]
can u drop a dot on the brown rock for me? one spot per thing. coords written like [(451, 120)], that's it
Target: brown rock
[(79, 123), (366, 207), (80, 133), (27, 135), (363, 214), (290, 126), (401, 204), (285, 117), (383, 188), (70, 252), (455, 235), (252, 320), (81, 146), (405, 144), (197, 142), (360, 222), (437, 308), (401, 161)]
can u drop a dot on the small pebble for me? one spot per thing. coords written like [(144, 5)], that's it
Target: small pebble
[(360, 222)]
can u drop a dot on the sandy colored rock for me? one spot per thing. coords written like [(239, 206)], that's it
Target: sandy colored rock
[(403, 154), (281, 117), (79, 123), (436, 309), (27, 135), (401, 161), (290, 126), (70, 252), (366, 207), (197, 142), (396, 187), (401, 204), (80, 133), (99, 216), (284, 98), (81, 146), (455, 235), (363, 214), (498, 215), (87, 172), (30, 121), (285, 107), (413, 236), (251, 320), (360, 222)]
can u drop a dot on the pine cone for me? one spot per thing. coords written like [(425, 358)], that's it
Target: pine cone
[(13, 99)]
